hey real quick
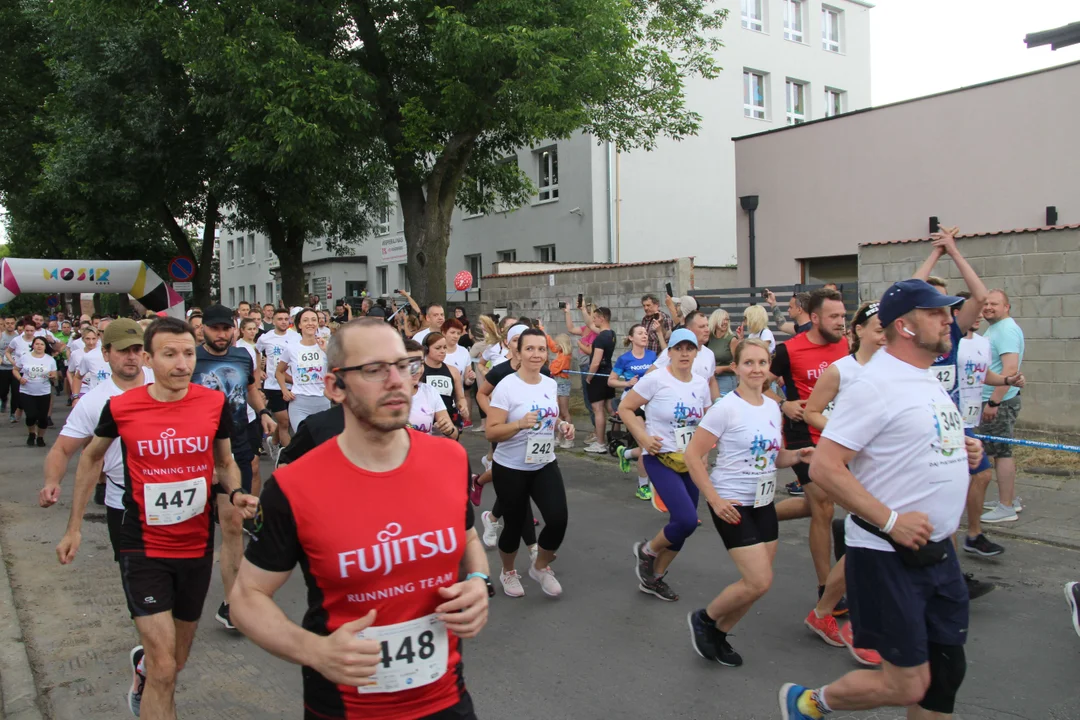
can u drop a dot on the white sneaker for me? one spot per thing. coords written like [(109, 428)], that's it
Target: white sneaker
[(511, 583), (478, 428), (566, 444), (491, 529), (486, 462), (1017, 506), (1001, 513), (596, 448), (546, 578)]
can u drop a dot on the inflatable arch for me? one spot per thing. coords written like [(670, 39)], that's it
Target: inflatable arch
[(20, 275)]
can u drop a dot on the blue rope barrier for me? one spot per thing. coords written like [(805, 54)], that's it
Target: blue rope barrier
[(1030, 443)]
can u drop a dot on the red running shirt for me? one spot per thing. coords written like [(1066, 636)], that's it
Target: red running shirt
[(168, 452), (383, 541), (801, 362)]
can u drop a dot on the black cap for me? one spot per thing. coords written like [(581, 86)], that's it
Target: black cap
[(217, 315)]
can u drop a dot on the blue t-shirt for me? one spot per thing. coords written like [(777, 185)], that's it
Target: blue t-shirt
[(1005, 336), (945, 368), (230, 373), (628, 367)]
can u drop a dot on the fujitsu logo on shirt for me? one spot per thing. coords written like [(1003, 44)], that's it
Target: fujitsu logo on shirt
[(170, 445), (816, 374), (391, 549)]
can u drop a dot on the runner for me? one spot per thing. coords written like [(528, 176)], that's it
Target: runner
[(444, 379), (174, 438), (382, 638), (304, 364), (867, 338), (434, 317), (457, 354), (1072, 596), (9, 389), (628, 370), (600, 393), (903, 439), (739, 492), (124, 352), (92, 369), (221, 366), (801, 361), (20, 345), (675, 398), (428, 413), (524, 465), (35, 372), (704, 362), (272, 345), (323, 332), (248, 331)]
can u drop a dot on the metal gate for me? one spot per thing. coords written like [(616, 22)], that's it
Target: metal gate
[(736, 300)]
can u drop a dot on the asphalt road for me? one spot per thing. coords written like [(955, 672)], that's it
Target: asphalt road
[(601, 650)]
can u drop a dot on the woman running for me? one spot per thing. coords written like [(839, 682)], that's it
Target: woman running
[(675, 400), (867, 337), (427, 414), (305, 362), (739, 492), (457, 356), (523, 419), (628, 369), (443, 378), (35, 372)]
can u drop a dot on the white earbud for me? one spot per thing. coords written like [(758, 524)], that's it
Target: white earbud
[(908, 331)]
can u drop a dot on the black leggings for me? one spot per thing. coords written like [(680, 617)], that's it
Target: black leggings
[(36, 408), (528, 528), (545, 487), (8, 388)]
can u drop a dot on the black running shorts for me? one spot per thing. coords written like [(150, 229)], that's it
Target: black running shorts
[(156, 585), (759, 525), (275, 401)]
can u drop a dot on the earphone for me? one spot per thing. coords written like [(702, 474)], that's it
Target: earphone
[(908, 331), (339, 383)]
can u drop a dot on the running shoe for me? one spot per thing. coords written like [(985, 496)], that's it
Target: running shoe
[(222, 616), (511, 584), (795, 489), (825, 628), (49, 421), (477, 491), (977, 588), (624, 464), (644, 562), (657, 501), (727, 656), (99, 494), (981, 546), (40, 441), (1017, 505), (596, 448), (69, 401), (491, 529), (702, 634), (643, 493), (546, 578), (841, 609), (1072, 595), (30, 441), (478, 428), (789, 704), (14, 420), (866, 656), (1002, 513), (486, 462), (658, 588), (138, 681), (465, 425)]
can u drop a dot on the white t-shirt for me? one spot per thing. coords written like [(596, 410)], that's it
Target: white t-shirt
[(749, 439), (36, 371), (518, 398), (674, 408), (76, 344), (973, 360), (93, 369), (704, 364), (47, 334), (148, 375), (80, 425), (250, 347), (908, 439), (767, 337), (496, 354), (307, 367), (323, 332), (273, 347), (19, 346), (419, 337), (425, 403), (459, 359)]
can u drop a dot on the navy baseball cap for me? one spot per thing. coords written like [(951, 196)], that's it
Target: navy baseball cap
[(908, 295)]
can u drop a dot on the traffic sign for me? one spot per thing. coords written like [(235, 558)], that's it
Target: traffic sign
[(181, 268), (52, 301), (182, 286)]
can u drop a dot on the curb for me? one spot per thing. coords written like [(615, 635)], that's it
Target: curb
[(16, 678)]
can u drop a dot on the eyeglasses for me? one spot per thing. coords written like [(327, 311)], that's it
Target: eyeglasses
[(378, 371)]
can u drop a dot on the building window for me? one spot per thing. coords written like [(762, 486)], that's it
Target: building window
[(232, 296), (242, 297), (318, 243), (476, 269), (796, 102), (545, 253), (793, 20), (830, 29), (506, 256), (269, 296), (267, 252), (549, 174), (753, 85), (251, 247), (381, 280), (834, 102), (230, 250), (753, 15), (403, 277), (251, 293), (383, 228)]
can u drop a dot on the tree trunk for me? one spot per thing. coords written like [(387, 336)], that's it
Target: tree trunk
[(183, 246), (287, 242), (124, 305), (201, 282)]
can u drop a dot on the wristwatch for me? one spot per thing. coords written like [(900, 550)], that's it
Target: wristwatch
[(267, 413), (486, 579)]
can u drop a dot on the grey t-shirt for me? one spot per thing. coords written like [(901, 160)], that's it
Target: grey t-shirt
[(5, 340)]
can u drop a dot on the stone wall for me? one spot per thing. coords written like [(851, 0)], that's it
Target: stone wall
[(1040, 271)]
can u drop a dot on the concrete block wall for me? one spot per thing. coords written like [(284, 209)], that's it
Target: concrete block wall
[(1040, 271)]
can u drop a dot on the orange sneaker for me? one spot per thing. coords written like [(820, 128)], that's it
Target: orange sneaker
[(863, 655), (825, 628), (656, 501)]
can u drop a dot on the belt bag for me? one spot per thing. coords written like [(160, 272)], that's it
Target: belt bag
[(674, 461), (933, 553)]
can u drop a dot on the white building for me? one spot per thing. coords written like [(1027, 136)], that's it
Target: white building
[(784, 62)]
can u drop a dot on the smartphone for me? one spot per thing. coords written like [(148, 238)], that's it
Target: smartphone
[(397, 292), (562, 306), (580, 300), (538, 322), (667, 286)]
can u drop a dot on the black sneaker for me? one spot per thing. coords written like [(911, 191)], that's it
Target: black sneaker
[(659, 588), (40, 441), (222, 616), (30, 441), (981, 546), (703, 634), (99, 494), (727, 655), (1072, 595), (69, 401), (794, 489), (48, 421), (138, 681), (645, 562), (977, 588)]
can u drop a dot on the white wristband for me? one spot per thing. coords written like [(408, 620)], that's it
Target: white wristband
[(891, 523)]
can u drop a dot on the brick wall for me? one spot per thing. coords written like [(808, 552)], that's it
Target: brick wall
[(1040, 271)]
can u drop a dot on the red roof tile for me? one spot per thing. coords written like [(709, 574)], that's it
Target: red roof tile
[(1048, 228)]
